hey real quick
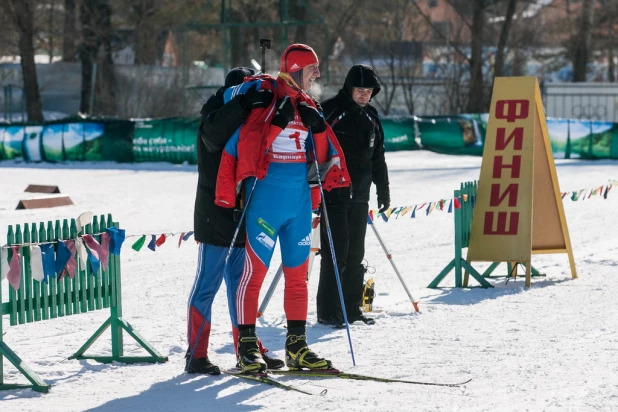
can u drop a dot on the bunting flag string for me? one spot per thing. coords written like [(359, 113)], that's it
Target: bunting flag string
[(455, 203)]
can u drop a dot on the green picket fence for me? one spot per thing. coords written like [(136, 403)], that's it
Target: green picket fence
[(36, 301), (463, 227)]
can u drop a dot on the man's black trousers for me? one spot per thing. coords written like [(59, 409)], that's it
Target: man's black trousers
[(348, 224)]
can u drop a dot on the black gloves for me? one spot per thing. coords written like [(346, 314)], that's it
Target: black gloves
[(311, 117), (255, 98), (285, 113), (384, 201)]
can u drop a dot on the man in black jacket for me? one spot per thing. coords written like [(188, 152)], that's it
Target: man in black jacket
[(360, 134), (214, 226)]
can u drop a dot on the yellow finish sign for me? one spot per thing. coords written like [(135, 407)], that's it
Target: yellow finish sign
[(518, 209)]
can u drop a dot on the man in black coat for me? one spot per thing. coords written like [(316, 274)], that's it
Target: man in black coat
[(214, 226), (360, 134)]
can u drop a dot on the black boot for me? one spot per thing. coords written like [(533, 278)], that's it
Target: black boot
[(298, 355), (273, 363), (249, 356), (200, 365)]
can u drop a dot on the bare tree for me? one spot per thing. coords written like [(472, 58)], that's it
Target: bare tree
[(503, 39), (20, 14), (582, 42), (96, 49), (69, 32), (476, 89)]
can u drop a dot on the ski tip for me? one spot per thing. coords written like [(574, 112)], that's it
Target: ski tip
[(415, 305)]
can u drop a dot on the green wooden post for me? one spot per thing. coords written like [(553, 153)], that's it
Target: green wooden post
[(72, 234), (98, 275), (53, 308), (89, 275), (104, 273), (10, 240), (45, 290), (68, 282), (60, 285), (36, 285), (21, 304), (27, 270)]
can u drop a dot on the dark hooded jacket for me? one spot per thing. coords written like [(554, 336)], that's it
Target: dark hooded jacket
[(212, 224), (360, 134)]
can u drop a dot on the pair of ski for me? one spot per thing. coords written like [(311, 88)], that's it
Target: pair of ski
[(329, 373)]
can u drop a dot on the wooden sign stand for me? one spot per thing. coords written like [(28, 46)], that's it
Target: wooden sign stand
[(518, 210)]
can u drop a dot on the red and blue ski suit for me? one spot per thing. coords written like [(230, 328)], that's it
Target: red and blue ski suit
[(282, 161)]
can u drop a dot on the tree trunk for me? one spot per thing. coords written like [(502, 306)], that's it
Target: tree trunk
[(69, 34), (95, 16), (300, 14), (611, 67), (504, 36), (145, 33), (20, 12), (583, 41), (476, 92)]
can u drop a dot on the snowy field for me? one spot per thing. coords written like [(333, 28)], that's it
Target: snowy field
[(553, 347)]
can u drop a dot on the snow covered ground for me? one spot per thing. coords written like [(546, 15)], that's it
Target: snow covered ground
[(553, 347)]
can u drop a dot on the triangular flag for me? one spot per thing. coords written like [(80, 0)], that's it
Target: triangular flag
[(369, 219), (14, 275), (49, 265), (105, 249), (180, 238), (384, 217), (413, 213), (97, 251), (153, 243), (457, 203), (371, 215), (406, 210), (574, 196), (465, 197), (83, 220), (82, 253), (389, 211), (72, 264), (116, 239), (450, 206), (563, 194), (428, 210), (161, 240), (36, 263), (189, 234), (63, 254), (441, 204), (606, 191), (139, 243), (4, 263)]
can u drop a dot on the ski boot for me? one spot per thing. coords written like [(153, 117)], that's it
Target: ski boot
[(273, 363), (201, 366), (299, 356), (250, 358)]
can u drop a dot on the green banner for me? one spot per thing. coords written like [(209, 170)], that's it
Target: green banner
[(170, 140), (69, 140)]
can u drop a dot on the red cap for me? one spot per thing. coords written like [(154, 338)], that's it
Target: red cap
[(297, 56)]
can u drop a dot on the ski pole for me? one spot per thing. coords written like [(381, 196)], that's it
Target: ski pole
[(390, 259), (264, 44), (270, 292), (332, 246), (315, 247)]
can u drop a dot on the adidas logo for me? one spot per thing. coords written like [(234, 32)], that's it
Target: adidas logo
[(294, 66), (306, 241)]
